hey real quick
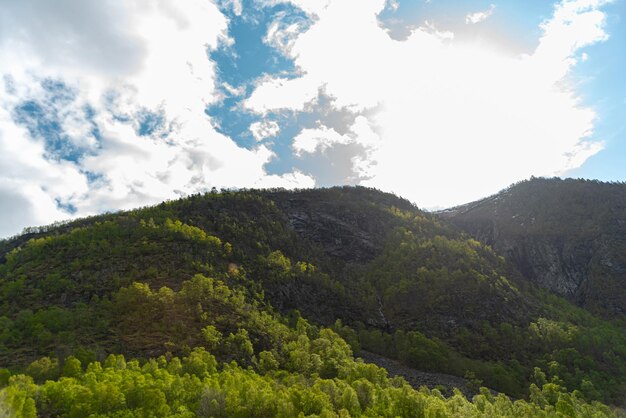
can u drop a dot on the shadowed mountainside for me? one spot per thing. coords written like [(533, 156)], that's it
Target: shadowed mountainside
[(568, 236)]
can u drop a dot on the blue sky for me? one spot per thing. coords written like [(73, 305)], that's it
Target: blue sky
[(127, 104)]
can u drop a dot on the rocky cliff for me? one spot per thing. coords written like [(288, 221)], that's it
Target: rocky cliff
[(568, 236)]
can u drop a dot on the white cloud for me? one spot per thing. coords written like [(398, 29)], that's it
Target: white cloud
[(322, 138), (264, 129), (120, 59), (362, 164), (312, 140), (477, 17), (233, 91), (438, 120), (317, 139), (291, 180), (312, 7), (282, 33), (575, 24), (269, 94), (234, 5), (393, 4), (30, 184), (456, 120)]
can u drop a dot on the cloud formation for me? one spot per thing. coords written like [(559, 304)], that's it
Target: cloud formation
[(128, 84), (455, 120), (269, 94), (108, 110), (477, 17), (264, 129)]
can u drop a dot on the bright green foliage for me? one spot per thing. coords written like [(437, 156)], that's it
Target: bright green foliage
[(72, 367), (212, 337), (160, 388), (43, 369)]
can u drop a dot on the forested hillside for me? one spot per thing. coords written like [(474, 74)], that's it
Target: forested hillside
[(568, 236), (256, 303)]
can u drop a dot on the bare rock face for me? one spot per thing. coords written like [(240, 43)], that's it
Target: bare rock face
[(348, 224), (558, 266), (343, 235), (567, 236)]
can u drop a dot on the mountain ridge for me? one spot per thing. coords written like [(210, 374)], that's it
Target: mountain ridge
[(576, 240), (234, 272)]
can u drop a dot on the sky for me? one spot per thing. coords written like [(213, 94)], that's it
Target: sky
[(111, 105)]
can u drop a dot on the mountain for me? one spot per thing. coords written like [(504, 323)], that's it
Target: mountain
[(258, 302), (568, 236)]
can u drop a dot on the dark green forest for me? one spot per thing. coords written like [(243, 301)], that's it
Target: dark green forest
[(260, 303), (568, 236)]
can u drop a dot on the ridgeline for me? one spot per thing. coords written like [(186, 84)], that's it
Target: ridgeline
[(259, 303)]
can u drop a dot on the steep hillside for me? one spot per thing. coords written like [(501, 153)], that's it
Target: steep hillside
[(568, 236), (282, 282)]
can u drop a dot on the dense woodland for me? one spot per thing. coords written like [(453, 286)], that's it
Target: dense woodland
[(258, 303)]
